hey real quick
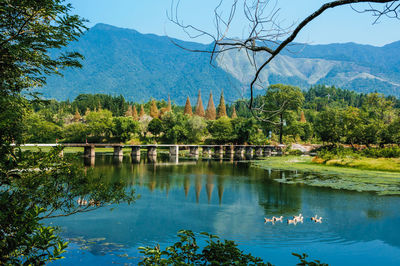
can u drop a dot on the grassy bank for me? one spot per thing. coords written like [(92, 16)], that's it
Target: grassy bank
[(364, 174)]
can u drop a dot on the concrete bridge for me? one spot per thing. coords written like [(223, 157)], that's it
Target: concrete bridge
[(230, 151)]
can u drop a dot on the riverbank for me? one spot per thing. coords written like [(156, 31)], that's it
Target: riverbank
[(351, 174)]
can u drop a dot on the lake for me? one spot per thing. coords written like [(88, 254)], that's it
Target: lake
[(231, 199)]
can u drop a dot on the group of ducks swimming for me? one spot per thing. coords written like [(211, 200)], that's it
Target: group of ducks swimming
[(296, 219)]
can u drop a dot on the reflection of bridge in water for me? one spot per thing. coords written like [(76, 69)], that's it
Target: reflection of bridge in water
[(218, 151)]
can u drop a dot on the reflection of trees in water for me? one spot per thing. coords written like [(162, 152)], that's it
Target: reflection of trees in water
[(277, 198)]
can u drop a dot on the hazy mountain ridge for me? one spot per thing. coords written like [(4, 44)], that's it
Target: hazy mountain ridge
[(142, 66)]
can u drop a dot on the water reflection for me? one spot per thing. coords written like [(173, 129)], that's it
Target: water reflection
[(230, 198)]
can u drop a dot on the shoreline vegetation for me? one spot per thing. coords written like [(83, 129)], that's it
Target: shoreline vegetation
[(379, 175)]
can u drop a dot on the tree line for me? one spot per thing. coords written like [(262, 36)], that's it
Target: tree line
[(320, 114)]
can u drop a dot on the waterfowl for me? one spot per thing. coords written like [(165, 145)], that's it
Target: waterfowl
[(268, 220), (314, 218), (319, 220), (277, 219), (293, 221)]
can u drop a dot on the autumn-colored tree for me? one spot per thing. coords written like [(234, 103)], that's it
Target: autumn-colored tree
[(77, 116), (154, 110), (303, 118), (234, 115), (221, 107), (211, 113), (142, 112), (134, 113), (188, 107), (128, 112), (87, 111), (169, 107), (199, 106)]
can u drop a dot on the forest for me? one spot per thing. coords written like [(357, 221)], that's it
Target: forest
[(321, 114)]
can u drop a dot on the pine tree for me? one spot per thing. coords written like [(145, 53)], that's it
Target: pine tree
[(77, 116), (188, 108), (128, 113), (199, 106), (169, 107), (234, 115), (211, 113), (134, 113), (142, 112), (87, 111), (221, 107), (303, 118), (154, 110)]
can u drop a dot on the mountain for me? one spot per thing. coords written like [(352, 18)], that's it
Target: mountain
[(143, 66)]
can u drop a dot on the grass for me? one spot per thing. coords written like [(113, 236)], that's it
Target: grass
[(374, 175)]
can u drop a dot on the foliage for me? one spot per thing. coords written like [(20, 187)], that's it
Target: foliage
[(199, 111), (154, 110), (221, 130), (75, 133), (38, 130), (186, 252), (211, 113), (221, 109), (188, 108), (304, 262), (155, 127), (99, 124), (123, 128)]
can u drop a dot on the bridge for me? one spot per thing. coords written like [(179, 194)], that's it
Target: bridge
[(218, 151)]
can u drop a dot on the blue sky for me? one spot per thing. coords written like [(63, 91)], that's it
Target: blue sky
[(149, 16)]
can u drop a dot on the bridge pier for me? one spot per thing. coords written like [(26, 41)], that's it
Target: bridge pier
[(249, 150), (267, 151), (135, 151), (89, 151), (194, 151), (174, 151), (206, 151), (118, 151), (151, 151), (229, 151), (219, 151), (89, 161), (259, 151), (239, 151)]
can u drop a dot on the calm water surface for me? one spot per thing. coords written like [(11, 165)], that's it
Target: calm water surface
[(231, 199)]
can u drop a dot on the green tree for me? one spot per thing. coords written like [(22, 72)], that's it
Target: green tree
[(38, 130), (100, 124), (123, 128), (155, 127), (221, 130), (329, 125), (280, 99), (75, 133)]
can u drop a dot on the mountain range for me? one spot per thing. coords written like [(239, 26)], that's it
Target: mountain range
[(144, 66)]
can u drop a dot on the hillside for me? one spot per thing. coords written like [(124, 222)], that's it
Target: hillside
[(141, 66)]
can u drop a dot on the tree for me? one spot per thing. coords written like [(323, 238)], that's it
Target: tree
[(328, 125), (199, 106), (278, 100), (154, 110), (142, 112), (221, 109), (155, 127), (169, 106), (221, 130), (188, 108), (211, 113), (123, 128), (100, 124), (30, 34), (128, 112), (265, 34), (135, 114), (234, 115)]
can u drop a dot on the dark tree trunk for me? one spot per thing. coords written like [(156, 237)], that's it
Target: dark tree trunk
[(281, 130)]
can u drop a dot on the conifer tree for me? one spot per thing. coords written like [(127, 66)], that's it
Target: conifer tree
[(142, 112), (234, 115), (211, 113), (221, 107), (169, 107), (128, 112), (134, 113), (199, 106), (87, 111), (77, 116), (303, 118), (188, 107), (154, 110)]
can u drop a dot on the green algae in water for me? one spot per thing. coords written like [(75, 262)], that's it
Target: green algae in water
[(382, 183)]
